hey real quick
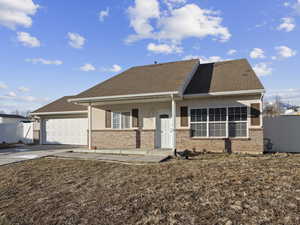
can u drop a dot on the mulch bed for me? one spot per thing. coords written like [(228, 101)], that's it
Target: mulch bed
[(209, 189)]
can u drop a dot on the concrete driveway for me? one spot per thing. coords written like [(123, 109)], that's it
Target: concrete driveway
[(23, 153)]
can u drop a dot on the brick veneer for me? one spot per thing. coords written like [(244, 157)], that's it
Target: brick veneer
[(125, 139), (253, 144), (145, 139)]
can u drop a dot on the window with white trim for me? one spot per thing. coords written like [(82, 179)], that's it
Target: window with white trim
[(219, 122), (238, 123), (120, 120)]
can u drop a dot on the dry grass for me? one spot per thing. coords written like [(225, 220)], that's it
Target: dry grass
[(211, 189)]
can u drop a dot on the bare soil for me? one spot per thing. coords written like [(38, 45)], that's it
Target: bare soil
[(209, 189)]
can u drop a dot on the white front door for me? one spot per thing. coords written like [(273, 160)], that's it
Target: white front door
[(164, 130)]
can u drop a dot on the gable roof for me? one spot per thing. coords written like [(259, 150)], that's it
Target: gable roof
[(235, 75), (61, 105), (165, 77)]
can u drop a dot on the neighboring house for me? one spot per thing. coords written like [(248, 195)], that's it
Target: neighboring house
[(178, 105), (10, 118)]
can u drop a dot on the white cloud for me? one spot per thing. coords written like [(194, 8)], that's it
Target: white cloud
[(204, 59), (174, 3), (284, 52), (87, 67), (44, 61), (286, 4), (163, 48), (76, 40), (262, 69), (23, 89), (176, 24), (257, 53), (17, 13), (27, 40), (3, 85), (103, 14), (11, 94), (296, 6), (287, 24), (114, 69), (232, 52)]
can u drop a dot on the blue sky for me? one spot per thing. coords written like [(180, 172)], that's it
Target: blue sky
[(52, 48)]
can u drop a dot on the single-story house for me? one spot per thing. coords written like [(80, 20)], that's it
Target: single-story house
[(177, 105)]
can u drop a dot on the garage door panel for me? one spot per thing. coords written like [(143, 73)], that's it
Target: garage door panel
[(71, 131)]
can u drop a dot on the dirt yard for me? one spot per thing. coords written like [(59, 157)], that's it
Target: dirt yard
[(210, 189)]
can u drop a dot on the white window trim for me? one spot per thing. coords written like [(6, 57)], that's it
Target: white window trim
[(120, 127), (248, 122)]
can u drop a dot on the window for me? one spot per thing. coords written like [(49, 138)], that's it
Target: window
[(199, 122), (121, 120), (237, 117), (219, 122)]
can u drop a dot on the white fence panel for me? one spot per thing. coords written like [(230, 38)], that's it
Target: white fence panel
[(283, 131), (15, 132)]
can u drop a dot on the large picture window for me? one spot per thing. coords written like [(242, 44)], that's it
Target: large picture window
[(219, 122), (121, 120)]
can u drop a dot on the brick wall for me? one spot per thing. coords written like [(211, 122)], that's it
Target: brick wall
[(254, 144)]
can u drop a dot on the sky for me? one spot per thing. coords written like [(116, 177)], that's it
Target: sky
[(53, 48)]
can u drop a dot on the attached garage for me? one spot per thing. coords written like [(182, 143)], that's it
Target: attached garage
[(70, 131), (61, 122)]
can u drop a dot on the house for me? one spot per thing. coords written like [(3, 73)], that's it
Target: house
[(11, 118), (177, 105)]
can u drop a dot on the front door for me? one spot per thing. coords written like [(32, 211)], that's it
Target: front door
[(164, 131)]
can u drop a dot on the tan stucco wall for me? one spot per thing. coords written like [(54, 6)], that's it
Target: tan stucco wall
[(148, 112)]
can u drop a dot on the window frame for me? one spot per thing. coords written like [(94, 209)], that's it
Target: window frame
[(120, 126), (226, 122)]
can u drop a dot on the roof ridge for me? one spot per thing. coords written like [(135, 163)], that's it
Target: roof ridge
[(160, 64)]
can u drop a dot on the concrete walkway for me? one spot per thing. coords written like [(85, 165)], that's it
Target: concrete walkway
[(24, 153), (112, 157)]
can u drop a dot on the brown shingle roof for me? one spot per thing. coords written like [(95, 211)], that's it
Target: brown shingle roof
[(163, 77), (61, 105), (235, 75)]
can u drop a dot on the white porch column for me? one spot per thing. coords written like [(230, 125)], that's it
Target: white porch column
[(42, 128), (90, 126), (174, 122)]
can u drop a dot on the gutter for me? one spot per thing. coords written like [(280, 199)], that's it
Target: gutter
[(225, 93), (122, 97), (58, 113)]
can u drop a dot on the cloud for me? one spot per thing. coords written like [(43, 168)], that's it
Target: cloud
[(174, 3), (44, 61), (114, 69), (262, 69), (296, 6), (174, 25), (11, 94), (290, 94), (284, 52), (286, 4), (76, 40), (27, 40), (3, 85), (87, 67), (103, 14), (204, 59), (17, 13), (23, 89), (257, 53), (231, 52), (288, 24), (163, 48)]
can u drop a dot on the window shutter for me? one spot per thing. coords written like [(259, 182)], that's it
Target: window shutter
[(135, 117), (108, 119), (184, 116), (255, 114)]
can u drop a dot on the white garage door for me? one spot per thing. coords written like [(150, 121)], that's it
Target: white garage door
[(71, 131)]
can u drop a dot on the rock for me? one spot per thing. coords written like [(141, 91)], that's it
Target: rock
[(229, 222), (236, 207)]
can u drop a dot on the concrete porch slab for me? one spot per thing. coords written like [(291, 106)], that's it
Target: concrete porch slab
[(153, 152), (112, 157)]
